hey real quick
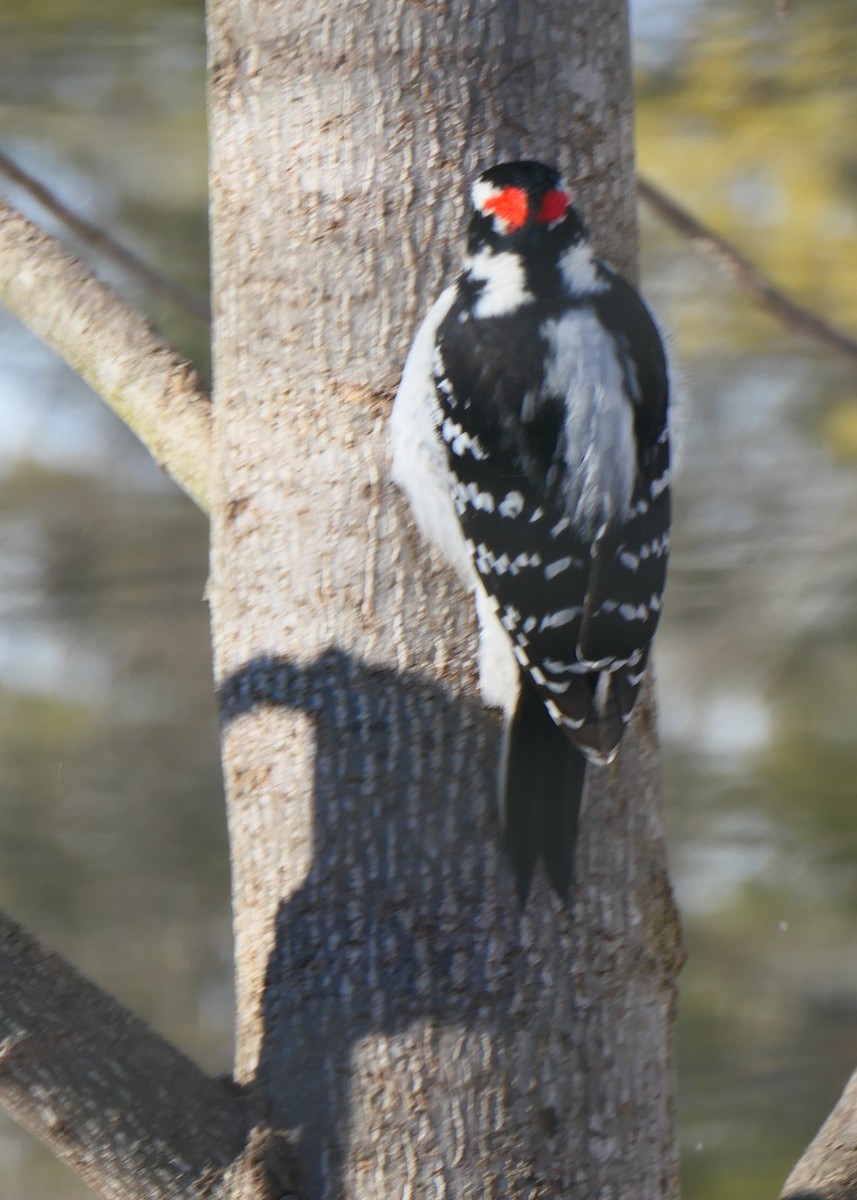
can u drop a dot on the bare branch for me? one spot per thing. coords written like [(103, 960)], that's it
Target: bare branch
[(111, 346), (745, 274), (828, 1168), (113, 1101), (191, 302)]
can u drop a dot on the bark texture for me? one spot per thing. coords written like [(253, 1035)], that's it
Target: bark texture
[(827, 1170), (130, 1114), (397, 1014), (103, 244), (111, 347)]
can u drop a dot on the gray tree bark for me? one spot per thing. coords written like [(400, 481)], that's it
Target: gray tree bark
[(398, 1017), (827, 1170), (130, 1114)]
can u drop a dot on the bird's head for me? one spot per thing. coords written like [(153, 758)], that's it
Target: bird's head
[(523, 206)]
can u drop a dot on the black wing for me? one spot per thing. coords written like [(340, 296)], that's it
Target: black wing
[(501, 451), (626, 588), (574, 606)]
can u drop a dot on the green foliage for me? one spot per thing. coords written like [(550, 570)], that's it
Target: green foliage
[(753, 130)]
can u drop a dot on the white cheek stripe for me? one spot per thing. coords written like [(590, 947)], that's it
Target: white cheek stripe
[(504, 281), (480, 194), (579, 269)]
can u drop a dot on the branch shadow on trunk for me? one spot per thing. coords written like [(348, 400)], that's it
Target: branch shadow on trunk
[(407, 923)]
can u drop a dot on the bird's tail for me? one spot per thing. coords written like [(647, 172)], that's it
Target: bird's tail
[(614, 694), (543, 775)]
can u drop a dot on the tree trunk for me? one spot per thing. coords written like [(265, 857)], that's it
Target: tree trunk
[(413, 1032)]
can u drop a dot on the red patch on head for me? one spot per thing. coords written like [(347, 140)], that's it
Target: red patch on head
[(510, 206), (553, 207)]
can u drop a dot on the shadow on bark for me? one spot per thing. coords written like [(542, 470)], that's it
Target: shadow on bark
[(408, 911)]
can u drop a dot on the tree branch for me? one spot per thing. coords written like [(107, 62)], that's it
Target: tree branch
[(745, 274), (157, 393), (113, 1101), (111, 346), (827, 1169), (192, 303)]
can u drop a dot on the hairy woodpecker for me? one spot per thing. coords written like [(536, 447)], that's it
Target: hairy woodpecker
[(531, 436)]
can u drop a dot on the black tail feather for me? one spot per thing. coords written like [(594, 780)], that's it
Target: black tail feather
[(543, 778)]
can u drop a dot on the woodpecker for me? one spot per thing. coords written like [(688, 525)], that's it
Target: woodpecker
[(531, 436)]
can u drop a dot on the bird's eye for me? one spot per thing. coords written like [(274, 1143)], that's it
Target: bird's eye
[(553, 207)]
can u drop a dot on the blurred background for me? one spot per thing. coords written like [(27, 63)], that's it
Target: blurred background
[(112, 839)]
